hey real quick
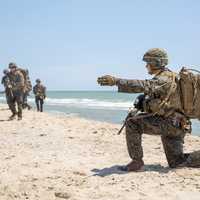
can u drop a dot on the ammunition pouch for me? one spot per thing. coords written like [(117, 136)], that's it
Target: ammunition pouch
[(139, 102), (180, 121), (39, 95)]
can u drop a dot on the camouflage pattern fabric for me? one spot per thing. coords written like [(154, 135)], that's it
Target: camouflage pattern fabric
[(17, 98), (8, 93), (39, 103), (193, 160), (28, 85), (156, 90), (39, 91), (25, 101), (27, 81), (169, 122), (40, 94), (162, 112), (5, 81), (172, 137), (156, 56), (17, 82)]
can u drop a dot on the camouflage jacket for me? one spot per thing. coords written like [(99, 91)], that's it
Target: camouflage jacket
[(39, 91), (17, 81), (156, 92), (5, 81)]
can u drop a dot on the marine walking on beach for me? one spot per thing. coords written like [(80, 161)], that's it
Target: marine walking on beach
[(27, 89), (17, 89), (40, 94), (7, 86), (162, 113)]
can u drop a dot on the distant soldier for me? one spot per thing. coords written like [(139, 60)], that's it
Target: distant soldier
[(27, 89), (40, 94), (17, 88), (162, 113), (7, 85)]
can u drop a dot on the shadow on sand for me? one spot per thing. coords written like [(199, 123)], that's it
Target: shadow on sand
[(116, 170), (2, 109), (4, 120)]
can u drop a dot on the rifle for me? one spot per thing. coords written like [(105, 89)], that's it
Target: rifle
[(131, 113), (138, 106), (10, 92)]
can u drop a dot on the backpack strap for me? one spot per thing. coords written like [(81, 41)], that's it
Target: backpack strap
[(195, 70), (195, 89)]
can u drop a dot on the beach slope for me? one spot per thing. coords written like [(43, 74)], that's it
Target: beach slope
[(47, 157)]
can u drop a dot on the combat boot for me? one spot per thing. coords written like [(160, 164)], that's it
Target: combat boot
[(13, 116), (19, 116), (192, 160), (133, 166), (29, 107)]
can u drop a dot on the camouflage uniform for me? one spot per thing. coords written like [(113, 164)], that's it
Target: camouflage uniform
[(162, 113), (6, 82), (40, 94), (17, 82), (27, 89), (167, 121)]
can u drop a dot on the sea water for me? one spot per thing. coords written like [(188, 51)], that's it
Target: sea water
[(109, 106)]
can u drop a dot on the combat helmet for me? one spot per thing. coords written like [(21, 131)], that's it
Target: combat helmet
[(5, 71), (38, 80), (12, 65), (156, 56)]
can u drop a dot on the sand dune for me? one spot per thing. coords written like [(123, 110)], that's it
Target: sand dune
[(47, 157)]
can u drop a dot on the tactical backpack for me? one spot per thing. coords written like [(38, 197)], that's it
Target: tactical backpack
[(28, 85), (189, 81)]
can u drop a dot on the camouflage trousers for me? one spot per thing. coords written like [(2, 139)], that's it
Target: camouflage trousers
[(171, 136), (8, 98), (17, 97), (25, 101), (39, 103)]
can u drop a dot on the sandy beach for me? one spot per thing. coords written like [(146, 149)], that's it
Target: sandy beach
[(47, 157)]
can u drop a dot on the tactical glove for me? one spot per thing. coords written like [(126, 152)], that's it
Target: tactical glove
[(107, 80)]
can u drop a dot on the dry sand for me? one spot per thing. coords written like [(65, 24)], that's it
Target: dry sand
[(51, 157)]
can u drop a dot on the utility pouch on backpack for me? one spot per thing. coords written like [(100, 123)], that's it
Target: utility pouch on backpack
[(190, 92)]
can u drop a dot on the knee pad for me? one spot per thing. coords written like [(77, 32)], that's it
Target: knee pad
[(193, 159)]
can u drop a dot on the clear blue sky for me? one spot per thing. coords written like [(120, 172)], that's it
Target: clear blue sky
[(69, 43)]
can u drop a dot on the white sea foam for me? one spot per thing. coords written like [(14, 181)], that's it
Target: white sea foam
[(90, 103), (84, 103), (59, 113)]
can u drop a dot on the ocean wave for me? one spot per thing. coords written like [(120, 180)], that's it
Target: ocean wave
[(59, 113), (89, 103), (85, 103)]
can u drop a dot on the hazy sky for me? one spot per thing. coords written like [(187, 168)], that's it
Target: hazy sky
[(68, 43)]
